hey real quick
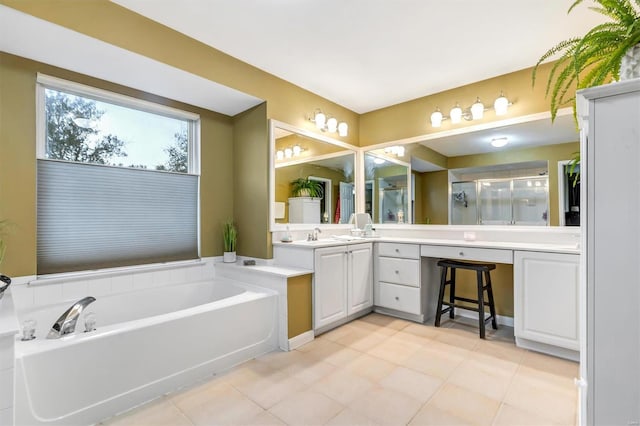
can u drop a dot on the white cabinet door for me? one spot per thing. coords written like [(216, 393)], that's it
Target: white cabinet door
[(546, 287), (360, 282), (330, 285)]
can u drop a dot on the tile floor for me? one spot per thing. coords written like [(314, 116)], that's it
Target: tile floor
[(380, 370)]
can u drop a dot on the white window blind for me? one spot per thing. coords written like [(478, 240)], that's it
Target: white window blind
[(93, 216)]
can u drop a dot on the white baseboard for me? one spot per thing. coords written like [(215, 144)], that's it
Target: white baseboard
[(301, 339), (501, 320)]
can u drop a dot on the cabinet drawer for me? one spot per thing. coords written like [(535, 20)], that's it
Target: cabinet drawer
[(409, 251), (399, 271), (468, 253), (399, 297)]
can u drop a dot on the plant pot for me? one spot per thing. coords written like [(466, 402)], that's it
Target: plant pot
[(630, 64), (229, 257)]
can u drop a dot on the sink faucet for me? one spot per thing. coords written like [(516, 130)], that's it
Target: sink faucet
[(313, 236), (66, 324)]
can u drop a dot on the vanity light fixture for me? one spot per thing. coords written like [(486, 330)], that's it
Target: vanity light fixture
[(397, 150), (329, 124), (499, 142), (474, 112), (289, 152)]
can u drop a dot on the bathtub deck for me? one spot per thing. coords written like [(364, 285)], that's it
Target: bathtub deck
[(381, 370)]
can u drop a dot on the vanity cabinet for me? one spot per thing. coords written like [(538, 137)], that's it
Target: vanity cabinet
[(546, 301), (343, 284), (398, 290)]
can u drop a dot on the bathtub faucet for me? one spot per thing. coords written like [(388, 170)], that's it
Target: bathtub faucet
[(67, 322)]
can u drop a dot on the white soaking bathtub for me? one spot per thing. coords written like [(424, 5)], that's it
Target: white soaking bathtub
[(146, 343)]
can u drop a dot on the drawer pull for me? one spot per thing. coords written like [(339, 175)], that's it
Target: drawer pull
[(397, 272), (461, 254), (397, 298), (397, 250)]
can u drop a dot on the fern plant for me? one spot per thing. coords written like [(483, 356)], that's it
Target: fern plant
[(305, 187), (229, 236), (595, 58)]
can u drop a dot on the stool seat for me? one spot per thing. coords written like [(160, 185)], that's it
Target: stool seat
[(482, 270)]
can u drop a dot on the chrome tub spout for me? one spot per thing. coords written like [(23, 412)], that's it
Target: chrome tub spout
[(66, 324)]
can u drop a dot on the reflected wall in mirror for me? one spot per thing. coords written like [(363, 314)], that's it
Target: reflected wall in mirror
[(530, 139), (387, 188), (328, 166)]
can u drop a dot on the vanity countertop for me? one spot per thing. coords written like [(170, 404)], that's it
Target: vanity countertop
[(506, 245)]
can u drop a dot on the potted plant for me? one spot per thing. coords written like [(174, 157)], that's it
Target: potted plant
[(608, 51), (305, 187), (230, 238)]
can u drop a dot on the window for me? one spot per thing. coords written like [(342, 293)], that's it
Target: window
[(117, 179)]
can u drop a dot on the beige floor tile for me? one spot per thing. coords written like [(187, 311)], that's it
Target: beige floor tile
[(306, 408), (430, 415), (372, 327), (316, 345), (157, 413), (546, 400), (394, 350), (223, 405), (265, 419), (551, 364), (279, 360), (331, 352), (386, 321), (502, 349), (464, 339), (422, 330), (509, 416), (272, 389), (539, 378), (483, 378), (343, 386), (337, 333), (361, 340), (435, 361), (309, 369), (348, 417), (386, 407), (470, 406), (411, 338), (412, 383), (247, 372), (201, 393), (370, 367)]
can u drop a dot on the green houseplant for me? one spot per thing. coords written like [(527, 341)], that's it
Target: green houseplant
[(305, 187), (596, 57), (229, 238)]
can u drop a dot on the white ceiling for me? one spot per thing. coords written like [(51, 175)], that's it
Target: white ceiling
[(368, 54)]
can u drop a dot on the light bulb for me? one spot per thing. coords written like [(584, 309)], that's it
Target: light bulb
[(320, 120), (332, 125), (297, 150), (477, 110), (400, 151), (436, 118), (499, 142), (343, 129), (279, 154), (456, 114), (501, 105), (288, 152)]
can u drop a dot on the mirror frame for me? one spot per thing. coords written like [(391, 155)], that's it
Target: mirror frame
[(357, 175)]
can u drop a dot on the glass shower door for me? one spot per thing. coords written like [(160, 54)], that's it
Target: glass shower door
[(531, 201), (464, 203), (495, 202)]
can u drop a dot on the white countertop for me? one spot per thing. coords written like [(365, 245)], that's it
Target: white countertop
[(260, 268), (8, 320), (507, 245)]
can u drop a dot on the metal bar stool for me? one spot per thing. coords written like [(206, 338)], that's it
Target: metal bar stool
[(480, 268)]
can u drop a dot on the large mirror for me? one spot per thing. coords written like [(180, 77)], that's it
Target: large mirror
[(460, 177), (387, 195), (313, 178)]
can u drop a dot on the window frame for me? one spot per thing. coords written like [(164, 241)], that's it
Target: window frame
[(44, 81)]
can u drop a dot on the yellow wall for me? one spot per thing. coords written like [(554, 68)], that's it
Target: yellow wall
[(433, 197), (18, 160), (299, 305)]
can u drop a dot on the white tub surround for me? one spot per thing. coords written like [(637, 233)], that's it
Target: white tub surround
[(154, 334), (293, 285), (406, 278), (8, 331)]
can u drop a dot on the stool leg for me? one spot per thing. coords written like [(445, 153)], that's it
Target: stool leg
[(492, 306), (480, 304), (443, 281), (452, 293)]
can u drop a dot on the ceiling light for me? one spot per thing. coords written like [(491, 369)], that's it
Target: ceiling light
[(456, 114), (477, 110), (378, 160), (474, 112), (329, 124), (436, 118), (499, 142)]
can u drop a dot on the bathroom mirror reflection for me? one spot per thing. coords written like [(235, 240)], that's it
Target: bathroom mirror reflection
[(314, 179), (533, 144), (387, 194)]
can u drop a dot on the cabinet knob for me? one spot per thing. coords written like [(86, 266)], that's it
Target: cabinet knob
[(397, 250), (397, 272), (461, 254), (397, 298)]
